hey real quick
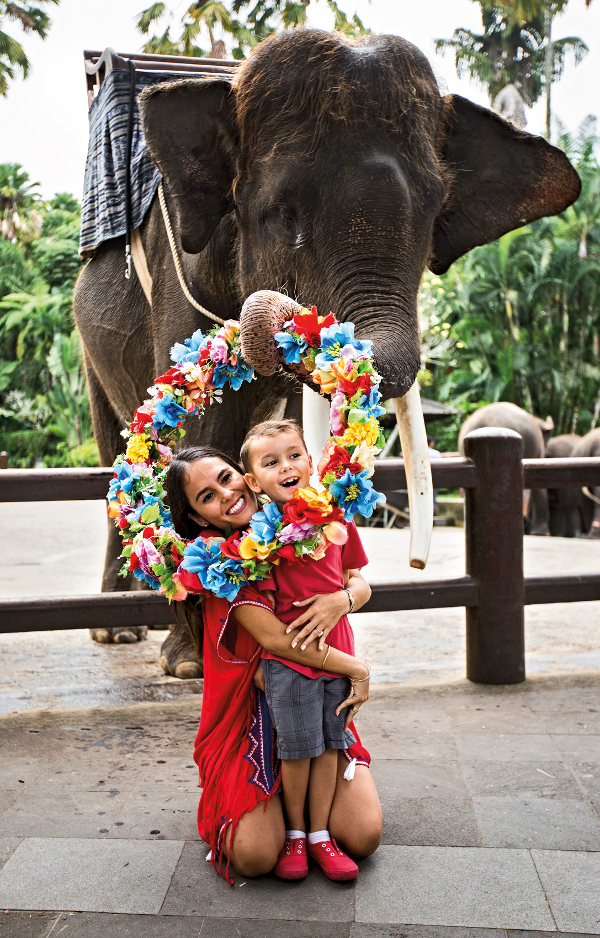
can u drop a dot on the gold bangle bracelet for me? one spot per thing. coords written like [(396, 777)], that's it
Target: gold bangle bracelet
[(363, 679), (326, 657)]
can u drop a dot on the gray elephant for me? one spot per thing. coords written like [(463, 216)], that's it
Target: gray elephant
[(535, 433), (328, 168), (589, 445), (570, 511)]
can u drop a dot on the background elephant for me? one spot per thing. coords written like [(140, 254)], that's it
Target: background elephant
[(330, 169), (589, 445), (535, 433), (570, 511)]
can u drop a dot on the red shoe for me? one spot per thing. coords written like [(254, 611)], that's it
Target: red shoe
[(333, 861), (292, 862)]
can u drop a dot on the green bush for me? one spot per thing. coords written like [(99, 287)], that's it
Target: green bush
[(24, 447), (85, 455)]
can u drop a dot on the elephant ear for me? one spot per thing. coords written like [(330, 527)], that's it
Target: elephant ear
[(498, 179), (190, 132)]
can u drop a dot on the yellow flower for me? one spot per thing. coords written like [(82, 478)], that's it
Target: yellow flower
[(357, 433), (318, 501), (326, 380), (230, 330), (138, 448), (249, 548), (365, 455)]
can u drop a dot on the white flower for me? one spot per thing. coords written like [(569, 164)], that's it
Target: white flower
[(365, 455)]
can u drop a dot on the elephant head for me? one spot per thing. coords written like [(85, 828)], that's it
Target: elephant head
[(347, 173)]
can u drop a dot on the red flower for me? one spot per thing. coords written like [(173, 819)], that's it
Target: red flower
[(296, 511), (229, 548), (134, 562), (190, 581), (173, 376), (349, 387), (177, 557), (288, 552), (140, 421), (123, 523), (308, 325), (337, 463), (149, 532)]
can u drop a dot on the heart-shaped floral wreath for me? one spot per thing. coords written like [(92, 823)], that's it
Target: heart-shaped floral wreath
[(341, 366)]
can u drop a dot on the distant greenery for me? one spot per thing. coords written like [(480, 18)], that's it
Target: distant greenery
[(519, 319), (44, 406), (31, 18), (241, 23)]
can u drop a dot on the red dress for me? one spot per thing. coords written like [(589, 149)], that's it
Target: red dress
[(235, 746)]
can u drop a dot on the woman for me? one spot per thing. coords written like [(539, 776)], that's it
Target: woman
[(240, 814)]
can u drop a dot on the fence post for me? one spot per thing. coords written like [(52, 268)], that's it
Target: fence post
[(3, 460), (494, 557)]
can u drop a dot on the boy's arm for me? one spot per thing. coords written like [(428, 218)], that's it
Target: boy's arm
[(326, 609)]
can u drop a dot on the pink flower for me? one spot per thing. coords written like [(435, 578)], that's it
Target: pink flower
[(336, 424), (219, 351), (147, 555), (297, 532)]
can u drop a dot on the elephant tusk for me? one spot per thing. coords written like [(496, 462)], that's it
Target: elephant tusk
[(315, 422), (413, 437), (590, 495)]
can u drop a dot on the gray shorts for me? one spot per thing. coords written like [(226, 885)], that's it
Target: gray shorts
[(303, 711)]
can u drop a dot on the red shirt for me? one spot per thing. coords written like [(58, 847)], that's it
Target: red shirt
[(293, 581)]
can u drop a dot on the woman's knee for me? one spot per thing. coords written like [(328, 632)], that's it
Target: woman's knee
[(362, 840), (254, 860)]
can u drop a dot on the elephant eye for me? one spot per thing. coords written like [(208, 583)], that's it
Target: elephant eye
[(282, 219)]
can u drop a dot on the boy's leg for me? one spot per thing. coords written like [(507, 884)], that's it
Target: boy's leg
[(294, 779), (321, 789)]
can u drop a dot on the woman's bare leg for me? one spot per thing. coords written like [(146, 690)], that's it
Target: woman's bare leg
[(258, 840), (355, 820)]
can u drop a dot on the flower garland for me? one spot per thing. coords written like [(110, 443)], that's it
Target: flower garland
[(341, 366)]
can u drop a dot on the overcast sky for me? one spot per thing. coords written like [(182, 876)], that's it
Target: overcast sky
[(44, 119)]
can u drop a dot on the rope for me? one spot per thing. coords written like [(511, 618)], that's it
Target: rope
[(177, 262)]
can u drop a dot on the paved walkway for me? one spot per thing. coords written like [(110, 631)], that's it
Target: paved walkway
[(490, 824)]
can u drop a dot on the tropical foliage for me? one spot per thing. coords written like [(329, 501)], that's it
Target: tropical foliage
[(241, 23), (44, 407), (32, 18), (519, 319)]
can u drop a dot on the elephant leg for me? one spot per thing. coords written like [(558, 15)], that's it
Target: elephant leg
[(594, 531), (538, 513), (108, 437)]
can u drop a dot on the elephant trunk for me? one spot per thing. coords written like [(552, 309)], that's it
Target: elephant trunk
[(264, 313)]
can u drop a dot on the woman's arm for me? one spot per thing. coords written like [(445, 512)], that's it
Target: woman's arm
[(269, 632), (326, 609)]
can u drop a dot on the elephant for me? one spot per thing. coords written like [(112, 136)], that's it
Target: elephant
[(535, 434), (570, 511), (332, 170), (589, 445)]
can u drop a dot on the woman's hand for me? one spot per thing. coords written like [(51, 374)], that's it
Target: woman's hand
[(323, 613), (259, 677), (359, 694)]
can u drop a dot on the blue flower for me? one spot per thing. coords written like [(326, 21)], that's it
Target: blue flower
[(219, 575), (124, 479), (167, 412), (333, 341), (152, 510), (190, 351), (234, 374), (263, 523), (355, 493), (370, 404), (152, 581), (292, 345)]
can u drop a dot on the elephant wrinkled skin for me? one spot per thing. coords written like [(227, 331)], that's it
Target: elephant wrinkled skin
[(329, 169)]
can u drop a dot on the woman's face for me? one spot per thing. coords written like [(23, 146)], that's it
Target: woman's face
[(218, 495)]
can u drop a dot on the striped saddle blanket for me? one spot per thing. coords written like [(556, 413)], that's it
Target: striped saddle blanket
[(103, 207)]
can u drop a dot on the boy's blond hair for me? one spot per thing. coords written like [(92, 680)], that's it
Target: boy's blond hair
[(268, 428)]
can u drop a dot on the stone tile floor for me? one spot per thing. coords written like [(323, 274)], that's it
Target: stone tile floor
[(491, 825)]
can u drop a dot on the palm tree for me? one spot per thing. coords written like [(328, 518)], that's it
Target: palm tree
[(32, 19), (20, 218), (259, 23), (516, 47)]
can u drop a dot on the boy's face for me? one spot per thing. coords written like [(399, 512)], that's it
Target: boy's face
[(280, 465)]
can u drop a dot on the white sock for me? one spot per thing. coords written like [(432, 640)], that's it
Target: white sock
[(318, 836), (294, 835)]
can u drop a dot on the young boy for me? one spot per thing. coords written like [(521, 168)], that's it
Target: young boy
[(302, 700)]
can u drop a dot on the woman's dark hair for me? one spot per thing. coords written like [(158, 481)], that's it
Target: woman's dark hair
[(186, 527), (174, 486)]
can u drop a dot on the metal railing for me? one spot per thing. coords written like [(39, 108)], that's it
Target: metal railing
[(494, 591)]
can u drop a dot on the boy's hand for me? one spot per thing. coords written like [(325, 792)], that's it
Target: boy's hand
[(259, 677), (359, 694), (323, 613)]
